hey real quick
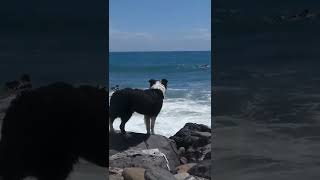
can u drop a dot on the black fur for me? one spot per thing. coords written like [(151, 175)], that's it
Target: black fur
[(124, 102), (45, 131)]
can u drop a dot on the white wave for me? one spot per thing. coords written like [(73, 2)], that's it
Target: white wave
[(174, 115), (177, 89)]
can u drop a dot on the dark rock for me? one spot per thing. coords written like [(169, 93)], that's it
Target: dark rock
[(158, 174), (182, 150), (136, 158), (196, 138), (185, 168), (207, 156), (136, 150), (192, 134), (202, 169), (138, 141), (166, 146), (119, 142), (206, 152)]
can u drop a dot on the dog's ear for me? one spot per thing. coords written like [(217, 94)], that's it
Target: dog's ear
[(164, 82), (152, 82)]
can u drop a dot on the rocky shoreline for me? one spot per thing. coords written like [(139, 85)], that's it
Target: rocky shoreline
[(184, 156)]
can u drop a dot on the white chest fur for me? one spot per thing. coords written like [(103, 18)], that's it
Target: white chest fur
[(159, 86)]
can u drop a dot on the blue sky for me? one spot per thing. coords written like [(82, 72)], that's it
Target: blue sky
[(159, 25)]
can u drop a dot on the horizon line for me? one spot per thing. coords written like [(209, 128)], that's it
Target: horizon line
[(164, 51)]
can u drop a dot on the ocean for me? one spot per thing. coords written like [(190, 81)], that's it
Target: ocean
[(266, 86), (188, 98)]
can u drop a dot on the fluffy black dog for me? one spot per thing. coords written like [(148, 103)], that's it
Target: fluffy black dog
[(124, 102), (46, 130)]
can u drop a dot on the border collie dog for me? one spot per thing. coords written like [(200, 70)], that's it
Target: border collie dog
[(48, 129), (124, 102)]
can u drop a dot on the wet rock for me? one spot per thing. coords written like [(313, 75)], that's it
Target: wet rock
[(202, 169)]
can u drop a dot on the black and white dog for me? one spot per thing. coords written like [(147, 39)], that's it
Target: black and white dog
[(125, 102)]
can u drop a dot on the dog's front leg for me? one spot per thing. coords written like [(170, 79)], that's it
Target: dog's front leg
[(147, 123), (153, 121), (111, 125)]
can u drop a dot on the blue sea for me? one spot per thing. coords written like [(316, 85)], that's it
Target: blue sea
[(267, 89), (188, 98)]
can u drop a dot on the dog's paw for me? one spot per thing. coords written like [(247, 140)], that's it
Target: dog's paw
[(112, 131)]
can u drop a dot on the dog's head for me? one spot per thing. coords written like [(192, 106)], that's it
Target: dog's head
[(159, 84)]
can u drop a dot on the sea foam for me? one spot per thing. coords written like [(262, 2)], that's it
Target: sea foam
[(175, 113)]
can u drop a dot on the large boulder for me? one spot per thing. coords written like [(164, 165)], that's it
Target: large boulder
[(195, 142), (136, 158), (130, 151), (192, 134)]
